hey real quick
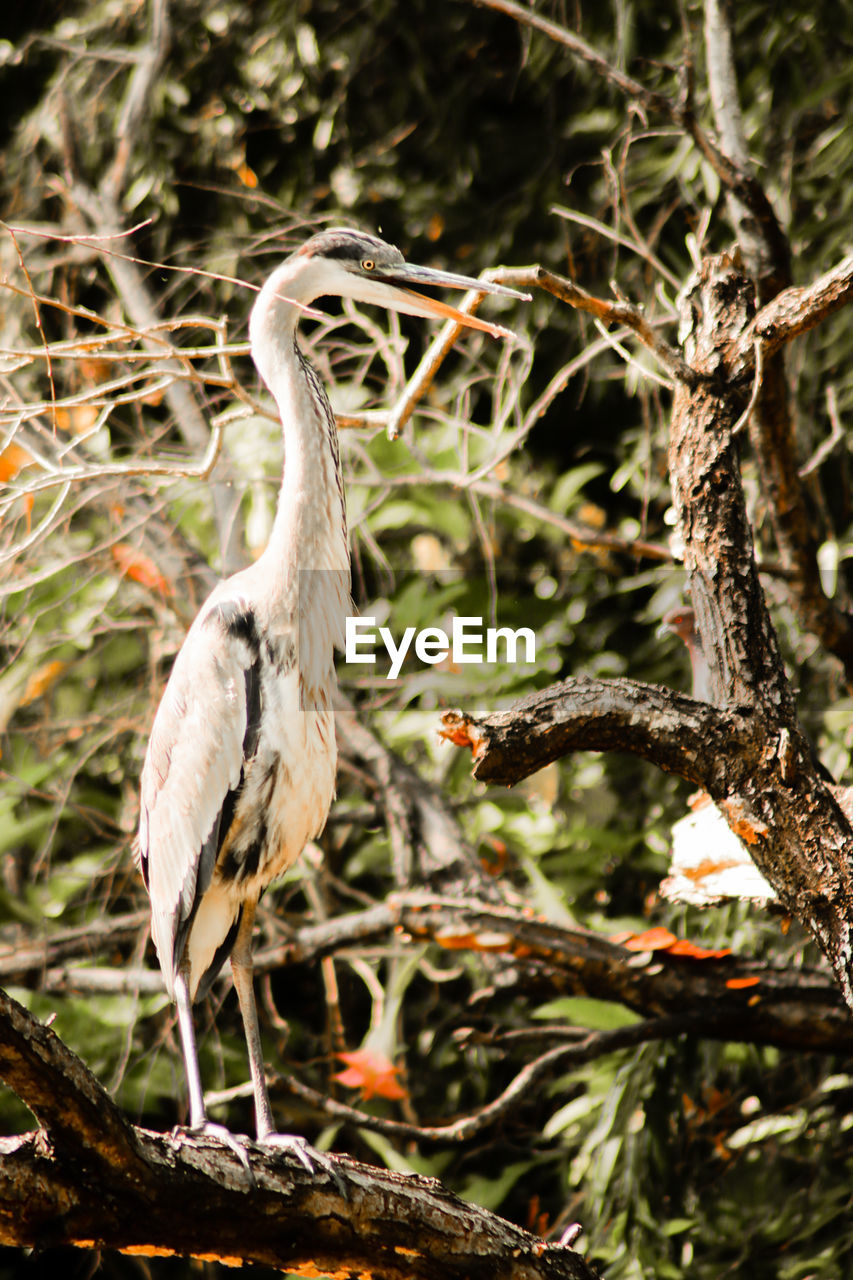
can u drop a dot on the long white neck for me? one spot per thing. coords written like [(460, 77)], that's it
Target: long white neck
[(307, 556)]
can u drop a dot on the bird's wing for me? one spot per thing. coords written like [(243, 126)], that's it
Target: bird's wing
[(206, 727)]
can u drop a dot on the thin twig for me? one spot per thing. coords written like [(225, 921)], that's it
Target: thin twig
[(422, 379), (835, 437), (636, 245), (593, 1045), (756, 390), (621, 313)]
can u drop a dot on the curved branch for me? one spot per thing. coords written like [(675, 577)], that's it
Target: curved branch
[(799, 1009), (61, 1092), (709, 747)]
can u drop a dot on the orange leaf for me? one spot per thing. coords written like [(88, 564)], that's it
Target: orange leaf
[(77, 418), (12, 460), (140, 568), (371, 1072), (247, 176), (681, 947), (41, 680), (497, 867), (738, 984), (651, 940)]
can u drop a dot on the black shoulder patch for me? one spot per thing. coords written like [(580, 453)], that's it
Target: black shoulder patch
[(254, 710), (238, 621)]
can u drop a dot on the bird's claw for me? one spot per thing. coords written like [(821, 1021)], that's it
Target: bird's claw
[(237, 1143), (309, 1157)]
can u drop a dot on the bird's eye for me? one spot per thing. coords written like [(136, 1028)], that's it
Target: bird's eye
[(367, 264)]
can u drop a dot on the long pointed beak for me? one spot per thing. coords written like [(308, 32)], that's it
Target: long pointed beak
[(395, 293)]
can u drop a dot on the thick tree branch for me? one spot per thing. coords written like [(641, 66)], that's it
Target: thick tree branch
[(796, 310), (708, 747), (62, 1094), (92, 1180), (764, 246), (758, 769), (196, 1199), (766, 255), (799, 1009), (783, 318), (802, 846)]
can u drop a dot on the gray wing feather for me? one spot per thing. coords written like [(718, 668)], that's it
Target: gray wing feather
[(194, 759)]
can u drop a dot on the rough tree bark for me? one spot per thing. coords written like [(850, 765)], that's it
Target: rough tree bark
[(89, 1178), (748, 751)]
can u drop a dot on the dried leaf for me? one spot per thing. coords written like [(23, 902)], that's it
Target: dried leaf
[(140, 568), (652, 940), (12, 460), (41, 680)]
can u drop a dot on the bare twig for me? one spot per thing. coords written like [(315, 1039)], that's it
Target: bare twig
[(621, 313), (835, 437), (626, 85), (102, 211), (635, 244)]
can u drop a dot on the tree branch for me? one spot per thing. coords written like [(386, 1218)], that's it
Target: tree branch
[(798, 309), (736, 179), (60, 1091), (763, 244), (767, 254), (94, 1181), (706, 746), (621, 313)]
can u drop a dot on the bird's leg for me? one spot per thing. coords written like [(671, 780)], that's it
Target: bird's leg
[(198, 1116), (241, 967), (199, 1122)]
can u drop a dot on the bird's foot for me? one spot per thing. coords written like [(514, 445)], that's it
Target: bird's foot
[(309, 1157), (236, 1142)]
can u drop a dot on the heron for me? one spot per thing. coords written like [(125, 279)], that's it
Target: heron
[(239, 774)]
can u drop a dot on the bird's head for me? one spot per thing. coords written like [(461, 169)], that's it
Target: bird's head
[(352, 264)]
